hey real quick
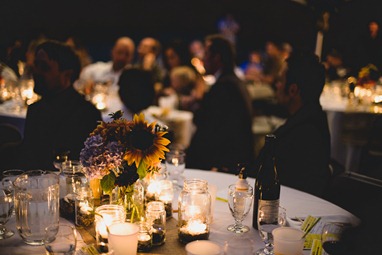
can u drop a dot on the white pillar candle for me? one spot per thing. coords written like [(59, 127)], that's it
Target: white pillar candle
[(123, 238)]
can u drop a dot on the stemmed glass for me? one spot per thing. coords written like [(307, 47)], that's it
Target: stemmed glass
[(175, 165), (6, 209), (331, 238), (60, 156), (60, 239), (268, 219), (240, 203)]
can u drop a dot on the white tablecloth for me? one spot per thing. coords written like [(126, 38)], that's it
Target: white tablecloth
[(297, 204)]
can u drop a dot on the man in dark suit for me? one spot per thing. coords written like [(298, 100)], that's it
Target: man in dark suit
[(62, 119), (224, 121), (303, 142)]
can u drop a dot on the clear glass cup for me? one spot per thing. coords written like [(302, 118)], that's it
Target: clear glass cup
[(175, 165), (60, 156), (6, 209), (269, 218), (60, 239), (240, 203)]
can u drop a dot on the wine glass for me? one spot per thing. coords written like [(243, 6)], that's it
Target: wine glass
[(60, 239), (175, 165), (269, 217), (60, 156), (240, 203), (332, 238), (6, 209)]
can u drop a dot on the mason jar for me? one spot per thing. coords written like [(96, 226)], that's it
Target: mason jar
[(194, 209)]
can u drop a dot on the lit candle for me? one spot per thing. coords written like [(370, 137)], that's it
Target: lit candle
[(196, 227)]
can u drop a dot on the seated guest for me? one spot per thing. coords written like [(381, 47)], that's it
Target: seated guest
[(303, 142), (148, 52), (136, 90), (334, 66), (189, 84), (122, 56), (224, 121), (62, 119)]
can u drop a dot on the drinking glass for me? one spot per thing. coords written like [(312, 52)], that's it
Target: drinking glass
[(6, 209), (60, 156), (332, 238), (175, 164), (240, 203), (269, 217), (60, 239)]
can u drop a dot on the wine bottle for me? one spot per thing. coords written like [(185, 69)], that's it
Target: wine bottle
[(267, 185)]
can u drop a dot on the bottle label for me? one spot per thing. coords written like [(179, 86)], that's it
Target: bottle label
[(272, 209)]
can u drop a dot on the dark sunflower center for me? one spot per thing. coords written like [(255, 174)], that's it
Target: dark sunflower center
[(141, 139)]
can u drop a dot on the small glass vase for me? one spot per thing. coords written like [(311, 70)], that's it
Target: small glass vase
[(95, 186), (132, 199)]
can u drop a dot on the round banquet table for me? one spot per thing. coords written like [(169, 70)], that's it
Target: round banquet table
[(296, 203)]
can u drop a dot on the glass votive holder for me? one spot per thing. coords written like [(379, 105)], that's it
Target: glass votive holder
[(156, 217), (145, 240), (123, 238), (165, 194), (84, 208), (106, 215)]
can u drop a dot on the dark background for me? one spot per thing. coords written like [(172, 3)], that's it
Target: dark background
[(99, 23)]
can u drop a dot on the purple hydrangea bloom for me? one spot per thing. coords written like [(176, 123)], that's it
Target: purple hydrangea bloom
[(98, 157)]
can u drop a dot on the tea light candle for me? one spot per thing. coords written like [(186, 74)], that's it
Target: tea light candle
[(193, 230)]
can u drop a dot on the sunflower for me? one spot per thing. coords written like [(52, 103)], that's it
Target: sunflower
[(145, 145)]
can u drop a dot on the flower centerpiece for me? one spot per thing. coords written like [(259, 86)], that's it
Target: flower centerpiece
[(368, 76), (119, 152)]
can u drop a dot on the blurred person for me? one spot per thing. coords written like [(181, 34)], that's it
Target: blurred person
[(184, 84), (122, 55), (302, 147), (136, 90), (370, 46), (253, 67), (224, 120), (334, 66), (273, 61), (187, 78), (148, 52), (229, 27), (62, 119), (196, 49)]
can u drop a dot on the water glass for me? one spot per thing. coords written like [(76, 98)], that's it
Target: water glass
[(60, 239), (6, 209), (176, 164), (240, 203), (36, 205)]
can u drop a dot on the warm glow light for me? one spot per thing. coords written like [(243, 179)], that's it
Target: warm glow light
[(103, 224), (195, 227), (192, 211), (153, 188)]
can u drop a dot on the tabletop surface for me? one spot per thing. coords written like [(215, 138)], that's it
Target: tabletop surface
[(296, 203)]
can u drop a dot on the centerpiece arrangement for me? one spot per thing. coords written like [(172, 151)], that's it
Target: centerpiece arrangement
[(120, 152), (368, 76)]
